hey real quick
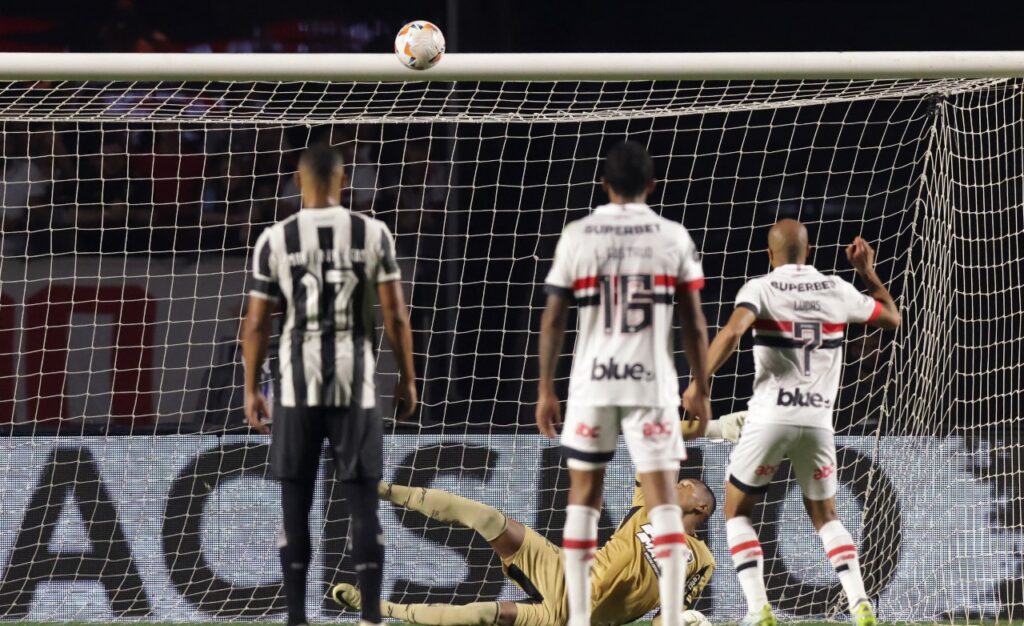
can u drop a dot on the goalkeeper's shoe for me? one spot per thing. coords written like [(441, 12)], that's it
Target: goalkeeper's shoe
[(762, 617), (864, 614), (347, 596)]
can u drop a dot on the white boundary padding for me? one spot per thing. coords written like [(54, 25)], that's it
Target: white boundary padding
[(511, 67)]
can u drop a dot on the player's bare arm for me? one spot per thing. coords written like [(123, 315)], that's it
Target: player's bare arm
[(727, 341), (399, 333), (255, 339), (552, 337), (724, 345), (697, 399), (862, 257)]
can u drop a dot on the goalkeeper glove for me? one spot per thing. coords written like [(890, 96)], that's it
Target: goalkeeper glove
[(727, 427)]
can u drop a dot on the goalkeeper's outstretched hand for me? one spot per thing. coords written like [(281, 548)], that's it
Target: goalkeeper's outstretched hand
[(728, 427)]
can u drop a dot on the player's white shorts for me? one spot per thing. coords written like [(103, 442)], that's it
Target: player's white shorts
[(762, 447), (652, 434)]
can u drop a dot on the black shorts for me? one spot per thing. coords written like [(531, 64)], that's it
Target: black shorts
[(355, 439)]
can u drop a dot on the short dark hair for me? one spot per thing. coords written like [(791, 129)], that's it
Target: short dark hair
[(714, 500), (628, 168), (322, 161)]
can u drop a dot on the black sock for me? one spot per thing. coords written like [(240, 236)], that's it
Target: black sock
[(367, 546), (296, 500)]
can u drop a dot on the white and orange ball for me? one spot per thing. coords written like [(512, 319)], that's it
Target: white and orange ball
[(419, 45)]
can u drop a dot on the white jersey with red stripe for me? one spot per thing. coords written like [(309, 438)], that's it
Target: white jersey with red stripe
[(798, 342), (622, 265)]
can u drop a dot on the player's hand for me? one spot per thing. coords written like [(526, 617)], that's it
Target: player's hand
[(860, 255), (698, 407), (549, 414), (406, 399), (256, 410)]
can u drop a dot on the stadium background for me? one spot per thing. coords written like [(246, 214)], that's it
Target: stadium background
[(163, 222)]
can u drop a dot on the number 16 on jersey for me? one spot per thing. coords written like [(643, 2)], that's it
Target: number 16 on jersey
[(627, 302)]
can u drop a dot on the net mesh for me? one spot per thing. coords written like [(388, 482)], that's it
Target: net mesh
[(132, 489)]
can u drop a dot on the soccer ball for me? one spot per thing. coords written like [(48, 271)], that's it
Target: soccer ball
[(419, 45), (694, 618)]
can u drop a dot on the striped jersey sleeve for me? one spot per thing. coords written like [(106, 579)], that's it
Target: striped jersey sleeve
[(387, 267), (860, 307), (264, 269)]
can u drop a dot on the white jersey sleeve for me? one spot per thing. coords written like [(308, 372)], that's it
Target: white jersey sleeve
[(387, 266), (860, 307), (264, 268), (690, 276), (749, 297), (561, 276)]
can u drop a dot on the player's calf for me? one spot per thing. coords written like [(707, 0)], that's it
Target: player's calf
[(367, 545), (842, 553), (579, 544), (658, 482), (294, 546), (748, 561), (672, 555)]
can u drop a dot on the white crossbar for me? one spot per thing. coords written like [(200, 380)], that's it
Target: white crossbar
[(499, 67)]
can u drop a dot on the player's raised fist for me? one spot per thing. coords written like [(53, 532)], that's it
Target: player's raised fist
[(861, 255)]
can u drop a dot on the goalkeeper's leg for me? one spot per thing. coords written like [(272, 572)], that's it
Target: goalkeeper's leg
[(475, 614), (442, 506)]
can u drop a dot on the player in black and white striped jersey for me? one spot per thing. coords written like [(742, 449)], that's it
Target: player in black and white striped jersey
[(328, 267)]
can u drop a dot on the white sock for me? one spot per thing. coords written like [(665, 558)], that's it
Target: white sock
[(579, 542), (748, 560), (842, 553), (673, 555)]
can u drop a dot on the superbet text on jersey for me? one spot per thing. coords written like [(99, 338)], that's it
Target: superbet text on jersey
[(798, 337), (622, 265)]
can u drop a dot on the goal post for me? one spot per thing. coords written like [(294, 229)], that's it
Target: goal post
[(134, 186)]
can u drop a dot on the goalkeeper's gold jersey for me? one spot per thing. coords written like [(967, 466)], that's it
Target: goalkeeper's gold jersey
[(625, 576)]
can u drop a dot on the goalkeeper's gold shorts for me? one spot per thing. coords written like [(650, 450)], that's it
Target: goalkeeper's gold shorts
[(538, 569)]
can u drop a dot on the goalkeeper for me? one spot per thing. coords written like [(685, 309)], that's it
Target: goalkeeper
[(625, 575)]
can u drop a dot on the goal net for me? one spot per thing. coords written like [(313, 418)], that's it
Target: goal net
[(133, 490)]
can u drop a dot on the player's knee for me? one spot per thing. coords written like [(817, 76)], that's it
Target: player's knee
[(367, 537), (586, 487), (821, 512), (362, 496), (738, 503)]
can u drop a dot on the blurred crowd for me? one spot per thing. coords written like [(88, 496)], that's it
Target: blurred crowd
[(169, 188)]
